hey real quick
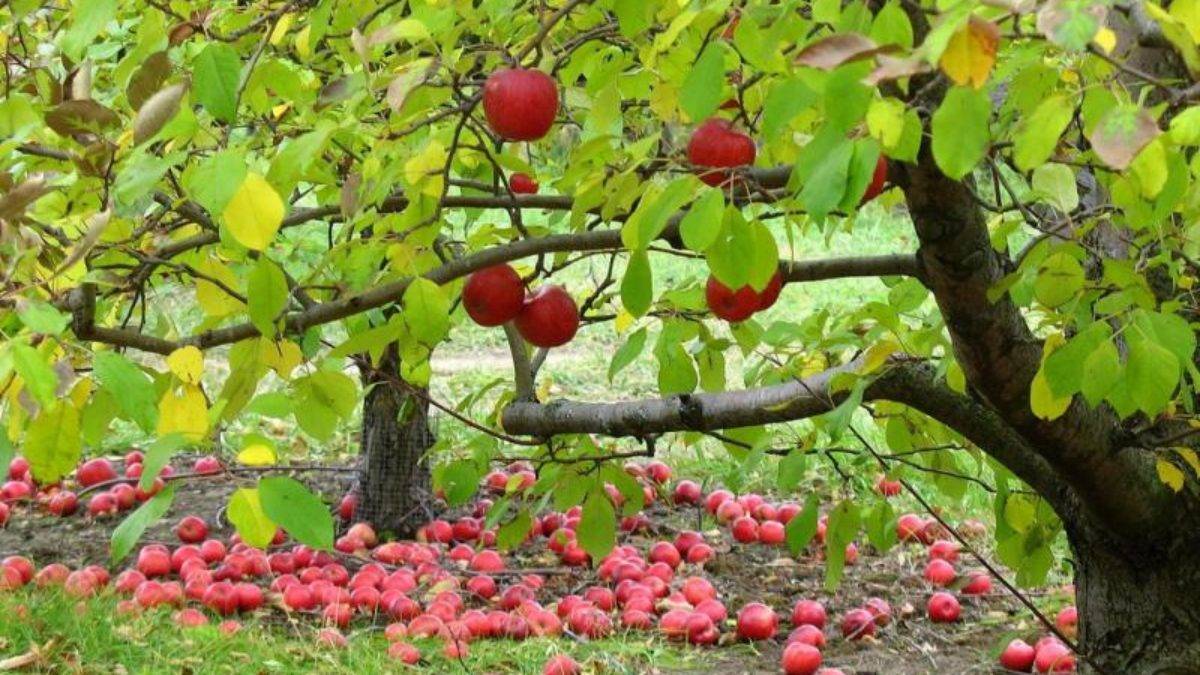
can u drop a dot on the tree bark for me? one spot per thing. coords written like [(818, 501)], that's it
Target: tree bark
[(394, 490), (1139, 605)]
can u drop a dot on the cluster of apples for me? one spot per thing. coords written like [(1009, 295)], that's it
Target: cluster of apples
[(547, 317), (59, 499), (1048, 654)]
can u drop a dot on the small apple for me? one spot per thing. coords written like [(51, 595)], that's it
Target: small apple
[(207, 464), (943, 608), (979, 582), (809, 612), (715, 147), (17, 468), (549, 317), (800, 659), (686, 492), (858, 624), (520, 103), (1054, 657), (493, 295), (1067, 621), (939, 572), (772, 533), (561, 664), (101, 505), (1018, 656), (744, 529), (404, 653), (95, 471), (522, 184), (63, 503), (732, 306), (756, 621), (191, 530), (878, 180)]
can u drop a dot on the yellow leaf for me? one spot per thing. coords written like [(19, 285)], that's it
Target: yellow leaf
[(257, 454), (885, 121), (302, 47), (184, 411), (213, 299), (255, 213), (187, 363), (1189, 456), (877, 355), (623, 321), (424, 170), (281, 28), (1169, 474), (1043, 402), (1106, 39), (282, 356), (971, 53), (1187, 12)]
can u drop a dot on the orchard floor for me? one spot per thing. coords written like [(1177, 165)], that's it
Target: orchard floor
[(44, 631)]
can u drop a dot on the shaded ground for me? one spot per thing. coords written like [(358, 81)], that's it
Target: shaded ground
[(911, 644)]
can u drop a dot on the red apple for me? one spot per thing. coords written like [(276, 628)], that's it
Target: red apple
[(404, 653), (772, 533), (730, 305), (858, 624), (125, 494), (809, 635), (809, 612), (95, 471), (801, 659), (978, 583), (63, 503), (769, 295), (943, 608), (561, 665), (1068, 621), (939, 572), (944, 549), (756, 621), (888, 488), (17, 468), (665, 552), (191, 530), (686, 492), (880, 609), (1018, 656), (729, 511), (101, 505), (522, 184), (207, 464), (659, 472), (909, 527), (549, 317), (348, 506), (698, 589), (744, 529), (716, 147), (1054, 657), (493, 295), (54, 574), (154, 561), (878, 180), (520, 103), (4, 511)]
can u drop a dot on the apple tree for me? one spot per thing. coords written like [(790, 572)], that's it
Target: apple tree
[(213, 210)]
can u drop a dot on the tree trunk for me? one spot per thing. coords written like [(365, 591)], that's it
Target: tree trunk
[(1139, 605), (394, 492)]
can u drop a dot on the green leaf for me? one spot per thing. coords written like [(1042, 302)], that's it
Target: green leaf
[(53, 443), (824, 188), (1169, 330), (801, 529), (1056, 184), (88, 18), (786, 100), (651, 216), (627, 352), (426, 311), (702, 89), (960, 130), (791, 470), (246, 514), (157, 456), (702, 224), (39, 377), (42, 317), (637, 286), (266, 295), (1151, 373), (213, 180), (880, 525), (513, 533), (1101, 372), (1037, 135), (459, 480), (127, 534), (129, 384), (215, 75), (292, 506), (1059, 279), (597, 529), (1064, 366)]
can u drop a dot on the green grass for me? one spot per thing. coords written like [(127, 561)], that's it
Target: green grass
[(89, 637)]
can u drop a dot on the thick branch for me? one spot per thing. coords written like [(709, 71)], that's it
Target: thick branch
[(914, 384)]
